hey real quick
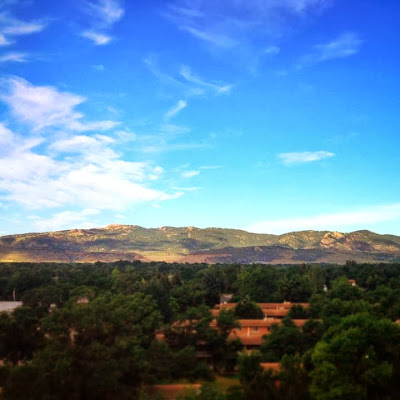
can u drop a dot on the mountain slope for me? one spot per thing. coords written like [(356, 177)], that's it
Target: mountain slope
[(189, 244)]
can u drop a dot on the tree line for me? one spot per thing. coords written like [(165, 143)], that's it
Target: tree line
[(89, 331)]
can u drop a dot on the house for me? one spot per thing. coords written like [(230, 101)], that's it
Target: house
[(271, 366), (9, 306), (270, 310), (82, 300), (224, 298), (251, 332), (352, 282)]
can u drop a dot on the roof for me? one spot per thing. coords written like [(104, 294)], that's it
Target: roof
[(258, 322), (248, 340), (299, 322), (9, 306), (277, 306), (275, 366), (274, 312)]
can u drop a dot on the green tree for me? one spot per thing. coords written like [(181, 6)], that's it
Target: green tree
[(20, 335), (259, 283), (283, 339), (247, 309), (355, 359)]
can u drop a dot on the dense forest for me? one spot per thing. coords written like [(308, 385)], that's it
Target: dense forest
[(92, 331)]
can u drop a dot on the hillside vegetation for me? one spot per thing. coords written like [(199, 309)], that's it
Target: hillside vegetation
[(189, 244)]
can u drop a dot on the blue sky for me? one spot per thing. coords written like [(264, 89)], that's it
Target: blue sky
[(265, 115)]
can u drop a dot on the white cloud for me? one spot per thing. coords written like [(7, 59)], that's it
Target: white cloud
[(6, 135), (175, 109), (11, 27), (215, 38), (4, 41), (81, 143), (345, 45), (219, 88), (164, 146), (272, 50), (187, 189), (304, 157), (94, 178), (106, 12), (25, 166), (210, 167), (190, 174), (67, 220), (229, 24), (189, 83), (357, 219), (46, 106), (125, 136), (98, 67), (13, 57), (74, 170), (98, 38)]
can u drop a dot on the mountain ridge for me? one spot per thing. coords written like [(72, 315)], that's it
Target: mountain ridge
[(191, 244)]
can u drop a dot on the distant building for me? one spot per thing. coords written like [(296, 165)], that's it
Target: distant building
[(82, 300), (352, 282), (225, 298), (9, 306)]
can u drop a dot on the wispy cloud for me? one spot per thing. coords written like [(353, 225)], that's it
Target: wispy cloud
[(46, 106), (175, 109), (188, 189), (14, 57), (356, 219), (215, 38), (304, 157), (11, 28), (186, 81), (219, 88), (164, 146), (227, 23), (344, 45), (105, 14), (272, 50), (190, 174), (210, 167), (99, 67), (98, 39)]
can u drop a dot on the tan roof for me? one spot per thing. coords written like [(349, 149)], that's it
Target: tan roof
[(274, 312), (248, 340), (277, 306), (299, 322), (258, 322), (275, 366)]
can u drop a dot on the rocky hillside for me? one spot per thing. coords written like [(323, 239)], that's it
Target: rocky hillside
[(189, 244)]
